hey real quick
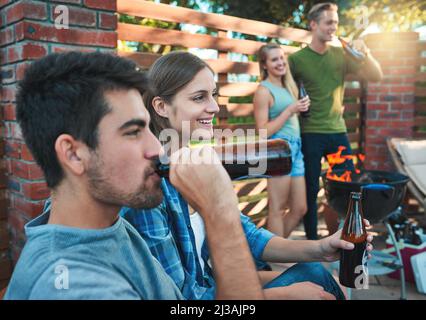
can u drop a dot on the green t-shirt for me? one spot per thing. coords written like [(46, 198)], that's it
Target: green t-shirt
[(323, 77)]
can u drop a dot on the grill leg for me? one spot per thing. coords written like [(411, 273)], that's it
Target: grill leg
[(398, 254)]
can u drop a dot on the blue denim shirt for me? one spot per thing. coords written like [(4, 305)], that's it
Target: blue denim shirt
[(168, 233)]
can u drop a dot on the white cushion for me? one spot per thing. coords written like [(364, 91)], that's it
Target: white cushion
[(412, 152), (417, 174)]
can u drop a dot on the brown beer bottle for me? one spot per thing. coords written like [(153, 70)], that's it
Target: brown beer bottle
[(268, 158), (353, 263), (351, 52), (302, 94)]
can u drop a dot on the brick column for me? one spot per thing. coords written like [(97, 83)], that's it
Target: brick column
[(390, 103), (30, 30)]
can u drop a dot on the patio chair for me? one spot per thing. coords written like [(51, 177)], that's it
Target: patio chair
[(409, 157)]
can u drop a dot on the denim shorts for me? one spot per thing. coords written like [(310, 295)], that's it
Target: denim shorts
[(295, 143)]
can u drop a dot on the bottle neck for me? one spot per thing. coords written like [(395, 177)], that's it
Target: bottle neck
[(354, 229), (354, 54)]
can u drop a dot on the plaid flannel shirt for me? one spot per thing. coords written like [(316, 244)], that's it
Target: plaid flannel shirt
[(169, 235)]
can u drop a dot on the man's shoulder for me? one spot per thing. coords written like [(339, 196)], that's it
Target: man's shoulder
[(299, 59), (32, 263), (299, 54), (336, 50), (306, 52), (69, 278)]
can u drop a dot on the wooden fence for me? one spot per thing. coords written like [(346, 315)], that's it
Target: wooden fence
[(235, 112), (420, 94)]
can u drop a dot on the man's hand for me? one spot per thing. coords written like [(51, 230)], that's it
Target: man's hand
[(330, 246), (370, 69), (200, 177), (298, 291), (359, 45)]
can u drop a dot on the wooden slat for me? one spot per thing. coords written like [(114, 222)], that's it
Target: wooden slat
[(354, 137), (152, 35), (143, 59), (240, 89), (259, 187), (168, 13), (258, 208), (420, 92), (419, 134), (353, 123), (421, 76), (352, 92), (352, 107), (352, 77), (420, 121), (223, 100), (226, 66), (258, 216), (252, 198), (421, 107), (249, 192), (350, 124), (242, 187), (232, 126), (355, 150), (246, 109), (422, 61), (236, 110)]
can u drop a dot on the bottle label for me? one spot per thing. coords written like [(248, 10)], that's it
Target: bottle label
[(361, 272), (353, 271)]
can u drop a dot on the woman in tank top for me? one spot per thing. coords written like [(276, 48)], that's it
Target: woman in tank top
[(275, 110)]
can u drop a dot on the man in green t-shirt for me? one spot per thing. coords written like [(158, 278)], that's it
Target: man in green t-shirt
[(322, 68)]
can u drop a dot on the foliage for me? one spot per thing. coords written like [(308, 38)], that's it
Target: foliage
[(389, 15)]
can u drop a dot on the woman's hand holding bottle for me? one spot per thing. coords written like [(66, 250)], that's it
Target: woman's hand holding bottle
[(301, 105)]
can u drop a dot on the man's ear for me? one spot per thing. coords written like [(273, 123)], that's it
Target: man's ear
[(312, 24), (72, 154), (160, 107)]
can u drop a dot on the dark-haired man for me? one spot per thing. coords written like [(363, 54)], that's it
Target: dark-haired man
[(83, 118), (322, 68)]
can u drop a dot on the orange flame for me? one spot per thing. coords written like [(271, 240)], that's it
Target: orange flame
[(338, 158)]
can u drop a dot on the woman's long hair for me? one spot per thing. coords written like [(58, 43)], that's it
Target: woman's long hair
[(287, 80)]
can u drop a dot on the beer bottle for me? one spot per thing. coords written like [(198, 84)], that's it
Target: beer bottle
[(351, 52), (353, 271), (268, 158), (302, 94)]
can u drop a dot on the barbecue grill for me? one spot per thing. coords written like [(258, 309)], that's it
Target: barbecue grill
[(382, 195)]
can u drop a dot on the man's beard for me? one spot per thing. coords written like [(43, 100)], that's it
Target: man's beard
[(102, 189)]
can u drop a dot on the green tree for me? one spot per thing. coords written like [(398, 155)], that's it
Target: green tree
[(389, 15)]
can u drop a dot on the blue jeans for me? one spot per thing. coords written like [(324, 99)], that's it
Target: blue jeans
[(313, 272), (314, 147)]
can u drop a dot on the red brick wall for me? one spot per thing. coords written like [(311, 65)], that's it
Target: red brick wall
[(390, 103), (28, 32)]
